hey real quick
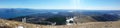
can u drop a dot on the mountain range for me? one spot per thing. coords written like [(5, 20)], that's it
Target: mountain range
[(38, 15)]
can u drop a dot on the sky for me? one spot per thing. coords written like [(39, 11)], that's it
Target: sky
[(62, 4)]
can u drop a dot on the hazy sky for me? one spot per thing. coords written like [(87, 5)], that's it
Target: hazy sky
[(61, 4)]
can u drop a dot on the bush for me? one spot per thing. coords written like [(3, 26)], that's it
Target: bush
[(5, 27)]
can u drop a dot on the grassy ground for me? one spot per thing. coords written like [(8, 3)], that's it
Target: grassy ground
[(14, 24)]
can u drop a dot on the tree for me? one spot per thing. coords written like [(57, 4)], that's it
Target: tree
[(59, 20)]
